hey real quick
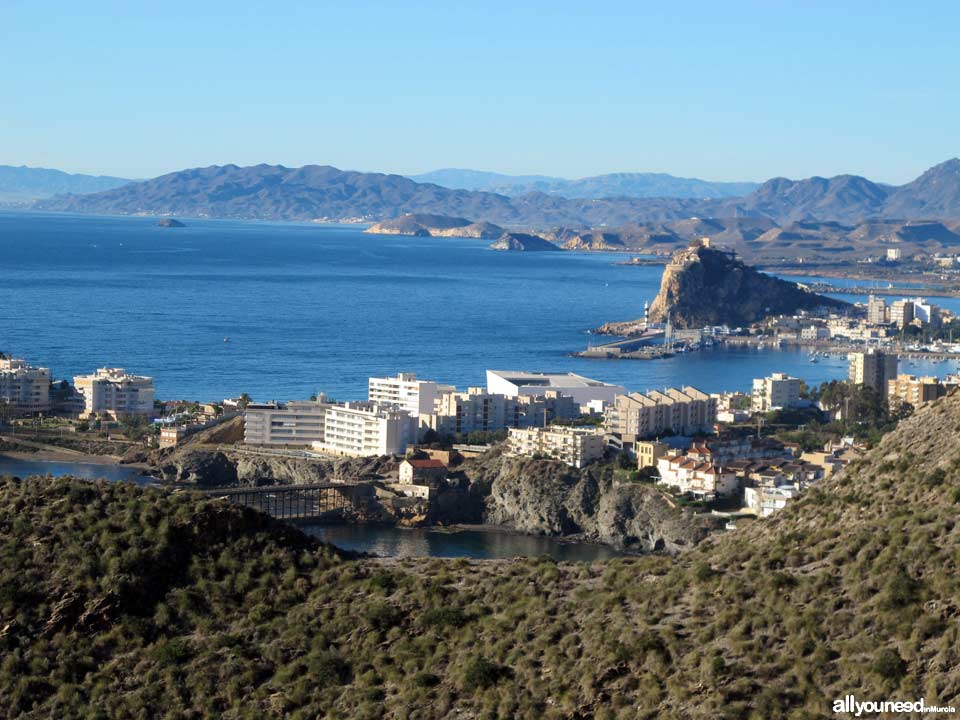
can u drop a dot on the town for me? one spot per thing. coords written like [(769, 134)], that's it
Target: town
[(743, 453)]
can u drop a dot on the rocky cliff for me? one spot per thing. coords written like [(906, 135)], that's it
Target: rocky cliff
[(706, 286)]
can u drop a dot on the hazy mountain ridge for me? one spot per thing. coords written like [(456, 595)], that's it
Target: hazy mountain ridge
[(24, 184), (274, 192), (626, 184)]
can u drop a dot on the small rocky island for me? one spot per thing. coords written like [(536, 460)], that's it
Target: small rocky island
[(170, 223), (522, 242), (703, 286)]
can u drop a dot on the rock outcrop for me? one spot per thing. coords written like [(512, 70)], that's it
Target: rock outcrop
[(522, 242), (705, 286), (424, 225), (544, 497), (170, 223)]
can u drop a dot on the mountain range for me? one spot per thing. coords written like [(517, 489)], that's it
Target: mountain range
[(640, 185), (323, 193), (24, 184)]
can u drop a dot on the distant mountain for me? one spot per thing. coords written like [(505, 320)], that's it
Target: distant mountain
[(638, 185), (935, 194), (23, 184), (274, 192)]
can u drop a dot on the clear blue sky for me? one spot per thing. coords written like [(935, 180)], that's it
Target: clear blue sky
[(721, 90)]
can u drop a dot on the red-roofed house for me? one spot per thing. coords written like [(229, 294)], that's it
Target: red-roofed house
[(422, 472)]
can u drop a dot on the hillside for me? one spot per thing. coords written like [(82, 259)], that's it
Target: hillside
[(703, 286), (24, 184), (130, 600), (422, 225)]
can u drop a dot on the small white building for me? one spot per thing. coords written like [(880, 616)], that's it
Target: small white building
[(701, 479), (422, 472), (576, 446), (765, 501)]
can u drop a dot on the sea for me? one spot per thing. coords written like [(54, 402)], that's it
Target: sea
[(284, 310)]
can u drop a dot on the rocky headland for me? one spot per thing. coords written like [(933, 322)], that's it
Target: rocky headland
[(424, 225), (522, 242), (703, 285), (170, 223)]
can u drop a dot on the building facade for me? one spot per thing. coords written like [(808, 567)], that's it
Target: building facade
[(112, 392), (876, 310), (901, 313), (299, 423), (24, 388), (362, 429), (873, 368), (575, 446), (417, 397), (648, 452), (777, 391), (913, 390), (477, 409), (684, 412)]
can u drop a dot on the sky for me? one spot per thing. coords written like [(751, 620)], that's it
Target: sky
[(731, 90)]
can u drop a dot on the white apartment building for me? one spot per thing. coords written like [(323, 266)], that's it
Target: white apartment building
[(478, 409), (417, 397), (357, 429), (113, 392), (576, 446), (297, 423), (873, 368), (685, 412), (777, 391), (24, 388), (584, 391), (363, 429), (926, 313)]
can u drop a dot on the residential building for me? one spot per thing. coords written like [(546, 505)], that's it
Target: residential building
[(775, 392), (876, 310), (576, 446), (925, 313), (765, 500), (701, 479), (363, 429), (685, 412), (417, 397), (584, 391), (299, 423), (894, 254), (112, 392), (649, 452), (815, 332), (873, 368), (24, 388), (422, 472), (478, 409), (913, 390), (901, 313)]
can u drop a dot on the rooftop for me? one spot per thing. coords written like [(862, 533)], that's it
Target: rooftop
[(548, 379)]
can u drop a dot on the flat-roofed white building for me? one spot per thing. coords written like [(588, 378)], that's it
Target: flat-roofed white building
[(113, 392), (298, 423), (777, 391), (415, 396), (576, 446), (584, 391), (26, 389), (361, 429)]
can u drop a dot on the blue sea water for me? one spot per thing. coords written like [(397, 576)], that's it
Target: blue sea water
[(88, 471), (311, 308)]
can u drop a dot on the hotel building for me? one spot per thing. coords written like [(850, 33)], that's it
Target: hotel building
[(588, 394), (24, 388), (111, 392)]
